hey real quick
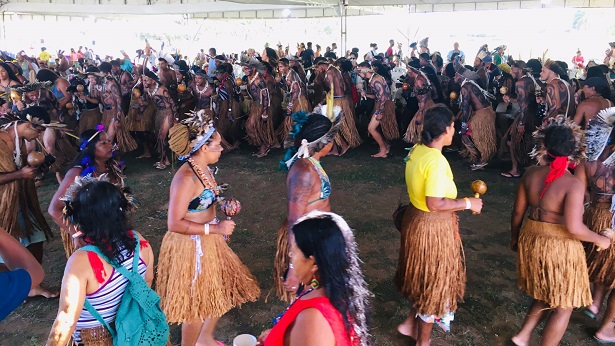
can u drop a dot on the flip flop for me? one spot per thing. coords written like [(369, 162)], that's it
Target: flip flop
[(380, 156), (602, 341), (510, 175), (589, 313), (160, 166)]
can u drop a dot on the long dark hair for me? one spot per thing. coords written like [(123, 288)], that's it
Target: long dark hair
[(100, 208), (333, 247), (10, 72)]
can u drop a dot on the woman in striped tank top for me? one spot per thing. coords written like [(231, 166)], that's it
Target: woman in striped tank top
[(97, 209)]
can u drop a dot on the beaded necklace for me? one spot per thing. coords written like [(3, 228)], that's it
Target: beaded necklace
[(201, 92), (155, 90), (279, 317), (207, 179)]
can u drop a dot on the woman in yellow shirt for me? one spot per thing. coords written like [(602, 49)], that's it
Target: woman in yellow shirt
[(431, 270)]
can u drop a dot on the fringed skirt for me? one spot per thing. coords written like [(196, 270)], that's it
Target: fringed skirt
[(522, 143), (431, 269), (140, 122), (415, 127), (551, 265), (65, 153), (348, 136), (88, 119), (124, 140), (228, 122), (301, 104), (388, 122), (67, 242), (200, 277), (601, 264), (482, 145), (281, 262), (107, 117), (260, 131)]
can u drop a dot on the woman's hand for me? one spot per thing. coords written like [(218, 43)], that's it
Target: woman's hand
[(476, 204), (226, 227), (603, 243), (261, 338)]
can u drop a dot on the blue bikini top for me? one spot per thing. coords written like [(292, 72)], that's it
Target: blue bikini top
[(202, 201)]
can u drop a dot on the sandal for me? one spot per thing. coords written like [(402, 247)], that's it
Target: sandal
[(160, 165), (589, 313), (380, 156), (263, 154), (510, 175)]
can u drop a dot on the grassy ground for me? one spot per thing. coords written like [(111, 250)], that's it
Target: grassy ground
[(365, 192)]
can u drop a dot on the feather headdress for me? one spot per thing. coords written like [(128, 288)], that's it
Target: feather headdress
[(189, 136), (598, 132), (540, 151), (332, 112), (80, 182)]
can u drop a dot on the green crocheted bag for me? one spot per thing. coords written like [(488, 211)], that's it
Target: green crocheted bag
[(139, 319)]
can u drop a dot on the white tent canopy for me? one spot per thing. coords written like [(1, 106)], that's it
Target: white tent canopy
[(264, 9)]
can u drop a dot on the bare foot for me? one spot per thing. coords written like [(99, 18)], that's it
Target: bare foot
[(407, 328), (382, 155), (519, 342), (42, 291)]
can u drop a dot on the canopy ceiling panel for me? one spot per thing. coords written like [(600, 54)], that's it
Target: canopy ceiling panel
[(269, 9)]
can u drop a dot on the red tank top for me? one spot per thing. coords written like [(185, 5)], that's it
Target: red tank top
[(322, 304)]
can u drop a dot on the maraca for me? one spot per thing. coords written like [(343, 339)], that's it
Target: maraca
[(503, 90), (80, 87), (69, 105), (181, 88), (35, 159), (239, 82), (479, 188), (452, 95), (405, 86), (136, 93), (230, 207)]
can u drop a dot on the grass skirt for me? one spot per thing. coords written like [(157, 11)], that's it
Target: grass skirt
[(65, 153), (551, 265), (415, 127), (482, 145), (301, 104), (388, 122), (67, 242), (88, 119), (281, 263), (348, 136), (431, 269), (227, 123), (600, 263), (140, 122), (523, 146), (223, 283), (260, 131)]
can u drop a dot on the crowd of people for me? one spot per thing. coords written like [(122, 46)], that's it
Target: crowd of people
[(77, 116)]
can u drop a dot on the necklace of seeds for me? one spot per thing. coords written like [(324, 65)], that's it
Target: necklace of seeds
[(208, 180)]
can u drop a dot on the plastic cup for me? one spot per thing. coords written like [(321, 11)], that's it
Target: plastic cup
[(244, 340)]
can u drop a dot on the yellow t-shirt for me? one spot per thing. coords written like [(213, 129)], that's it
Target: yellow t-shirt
[(44, 56), (428, 174)]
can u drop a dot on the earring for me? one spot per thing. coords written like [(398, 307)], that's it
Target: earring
[(314, 283)]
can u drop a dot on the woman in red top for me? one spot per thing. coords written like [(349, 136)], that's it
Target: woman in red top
[(332, 309)]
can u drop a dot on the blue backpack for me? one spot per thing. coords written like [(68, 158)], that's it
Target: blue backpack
[(139, 319)]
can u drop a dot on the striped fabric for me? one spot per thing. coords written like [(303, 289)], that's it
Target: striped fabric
[(106, 300)]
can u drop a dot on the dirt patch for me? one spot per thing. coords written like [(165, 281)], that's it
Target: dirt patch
[(365, 192)]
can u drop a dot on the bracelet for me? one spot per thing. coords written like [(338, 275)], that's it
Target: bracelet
[(206, 229), (77, 235), (468, 203)]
